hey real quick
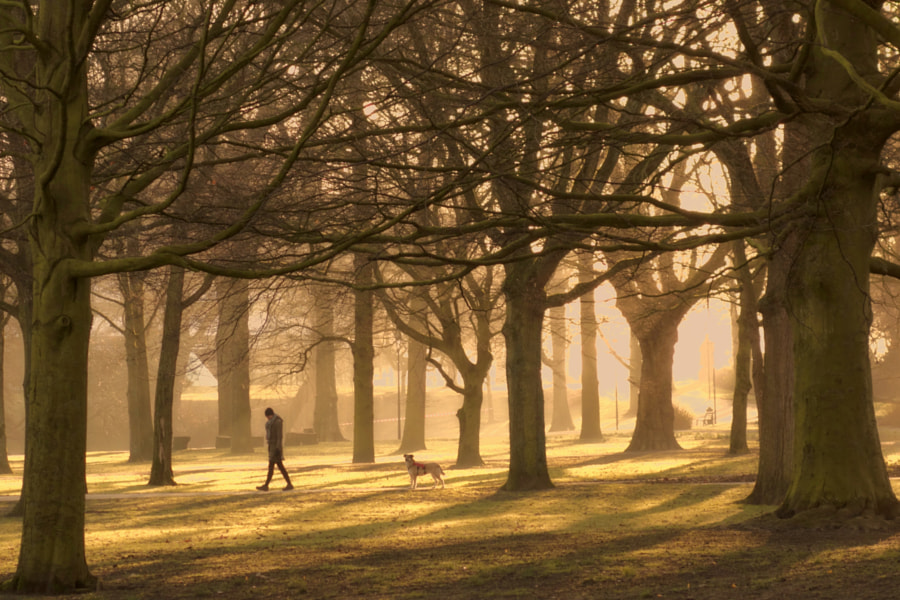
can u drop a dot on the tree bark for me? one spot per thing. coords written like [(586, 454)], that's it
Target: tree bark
[(774, 400), (522, 329), (161, 466), (838, 462), (140, 421), (837, 453), (52, 553), (747, 339)]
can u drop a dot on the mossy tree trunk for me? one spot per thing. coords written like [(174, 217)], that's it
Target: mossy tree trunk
[(837, 454), (52, 553), (838, 462)]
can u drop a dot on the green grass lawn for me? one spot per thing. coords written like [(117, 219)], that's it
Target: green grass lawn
[(668, 525)]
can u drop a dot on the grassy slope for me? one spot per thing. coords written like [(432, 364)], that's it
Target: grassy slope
[(617, 526)]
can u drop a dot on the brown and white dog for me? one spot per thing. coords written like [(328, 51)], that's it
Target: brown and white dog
[(416, 468)]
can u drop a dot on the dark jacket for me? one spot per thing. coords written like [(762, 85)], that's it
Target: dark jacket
[(274, 438)]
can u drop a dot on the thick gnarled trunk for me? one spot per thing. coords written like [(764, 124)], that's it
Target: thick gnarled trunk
[(837, 454), (654, 427), (52, 553)]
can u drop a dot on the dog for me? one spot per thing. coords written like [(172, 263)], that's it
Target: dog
[(416, 468)]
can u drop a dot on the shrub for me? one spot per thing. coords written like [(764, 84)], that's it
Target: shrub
[(684, 418)]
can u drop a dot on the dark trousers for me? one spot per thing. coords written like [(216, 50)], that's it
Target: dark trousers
[(280, 464)]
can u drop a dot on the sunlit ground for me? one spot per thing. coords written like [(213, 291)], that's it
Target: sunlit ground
[(616, 526)]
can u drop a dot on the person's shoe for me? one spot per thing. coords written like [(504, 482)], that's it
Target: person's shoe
[(288, 487), (263, 488)]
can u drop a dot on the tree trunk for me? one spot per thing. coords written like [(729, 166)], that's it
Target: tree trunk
[(5, 468), (233, 359), (747, 338), (561, 419), (774, 400), (363, 376), (525, 304), (469, 416), (161, 466), (414, 426), (25, 310), (838, 462), (325, 413), (51, 558), (590, 381), (52, 554), (635, 365), (655, 425), (837, 454), (140, 421)]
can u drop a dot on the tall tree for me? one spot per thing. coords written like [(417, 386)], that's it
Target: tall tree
[(163, 414), (837, 454)]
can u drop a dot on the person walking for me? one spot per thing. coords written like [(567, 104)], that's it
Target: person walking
[(274, 440)]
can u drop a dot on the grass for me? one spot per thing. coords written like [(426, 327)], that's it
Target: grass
[(666, 525)]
